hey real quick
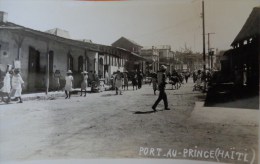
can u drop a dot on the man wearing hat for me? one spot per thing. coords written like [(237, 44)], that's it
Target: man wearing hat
[(84, 83), (68, 84), (161, 77)]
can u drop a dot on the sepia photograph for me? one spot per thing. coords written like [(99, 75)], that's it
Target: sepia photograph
[(129, 81)]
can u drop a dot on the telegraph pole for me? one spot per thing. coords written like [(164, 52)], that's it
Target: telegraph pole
[(209, 50), (203, 35)]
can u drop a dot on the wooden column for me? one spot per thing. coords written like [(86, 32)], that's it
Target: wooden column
[(47, 69), (85, 59), (19, 41)]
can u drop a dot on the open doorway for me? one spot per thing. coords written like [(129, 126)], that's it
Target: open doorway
[(33, 69)]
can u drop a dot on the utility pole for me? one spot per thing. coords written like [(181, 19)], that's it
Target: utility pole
[(47, 68), (209, 50), (203, 35)]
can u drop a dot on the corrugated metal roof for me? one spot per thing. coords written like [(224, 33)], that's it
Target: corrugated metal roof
[(251, 27)]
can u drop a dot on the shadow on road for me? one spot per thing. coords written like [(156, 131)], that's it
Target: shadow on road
[(171, 89), (146, 112), (108, 95)]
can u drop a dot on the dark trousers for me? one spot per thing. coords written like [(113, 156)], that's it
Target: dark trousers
[(139, 83), (162, 96)]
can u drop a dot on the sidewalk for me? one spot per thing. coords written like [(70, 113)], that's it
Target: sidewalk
[(54, 94), (231, 116), (49, 96), (228, 129)]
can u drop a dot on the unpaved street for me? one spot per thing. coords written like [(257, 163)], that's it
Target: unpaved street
[(105, 125)]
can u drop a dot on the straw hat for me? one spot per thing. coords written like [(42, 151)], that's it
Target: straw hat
[(69, 71), (84, 72), (163, 67), (16, 70)]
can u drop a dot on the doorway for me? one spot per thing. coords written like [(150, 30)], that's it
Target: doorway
[(33, 69)]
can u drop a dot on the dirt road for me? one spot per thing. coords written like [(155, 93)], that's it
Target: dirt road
[(105, 125)]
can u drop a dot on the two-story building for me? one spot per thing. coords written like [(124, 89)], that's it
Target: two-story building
[(135, 48), (151, 54), (166, 56)]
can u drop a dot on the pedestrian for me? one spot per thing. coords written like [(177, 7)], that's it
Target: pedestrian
[(68, 84), (154, 82), (194, 77), (57, 76), (95, 83), (84, 83), (90, 78), (199, 80), (6, 89), (244, 75), (17, 85), (118, 82), (139, 79), (161, 77), (106, 78), (125, 80), (134, 80), (187, 75)]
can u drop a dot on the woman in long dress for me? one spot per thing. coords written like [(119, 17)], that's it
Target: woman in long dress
[(6, 89), (17, 85), (68, 84), (118, 82), (84, 83)]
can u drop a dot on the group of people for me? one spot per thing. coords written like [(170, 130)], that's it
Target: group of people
[(199, 77), (121, 80), (12, 85)]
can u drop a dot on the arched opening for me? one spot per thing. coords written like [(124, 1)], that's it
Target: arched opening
[(70, 62), (101, 68)]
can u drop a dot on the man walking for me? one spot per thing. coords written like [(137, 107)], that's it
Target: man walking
[(139, 79), (161, 77)]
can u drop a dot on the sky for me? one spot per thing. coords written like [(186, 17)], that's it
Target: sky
[(176, 23)]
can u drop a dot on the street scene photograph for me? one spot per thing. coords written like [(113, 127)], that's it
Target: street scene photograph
[(129, 81)]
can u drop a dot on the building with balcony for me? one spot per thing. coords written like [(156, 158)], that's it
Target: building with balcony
[(151, 54), (166, 56)]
